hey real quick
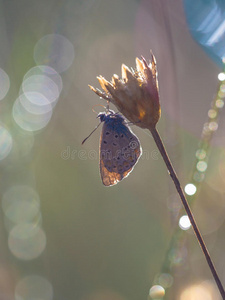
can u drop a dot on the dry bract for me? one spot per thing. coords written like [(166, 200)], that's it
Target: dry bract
[(135, 94)]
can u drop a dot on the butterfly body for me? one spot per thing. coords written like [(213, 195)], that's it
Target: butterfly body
[(120, 148)]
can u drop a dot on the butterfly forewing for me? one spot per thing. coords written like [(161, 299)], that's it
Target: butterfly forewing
[(120, 150)]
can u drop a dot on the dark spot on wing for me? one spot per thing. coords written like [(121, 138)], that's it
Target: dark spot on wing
[(120, 168)]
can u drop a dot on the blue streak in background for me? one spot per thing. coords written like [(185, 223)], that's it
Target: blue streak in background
[(206, 22)]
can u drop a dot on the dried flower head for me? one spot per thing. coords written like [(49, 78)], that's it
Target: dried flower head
[(136, 94)]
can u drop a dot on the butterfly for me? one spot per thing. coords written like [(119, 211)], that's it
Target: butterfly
[(119, 148)]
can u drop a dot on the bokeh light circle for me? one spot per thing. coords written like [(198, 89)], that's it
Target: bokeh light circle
[(213, 126), (221, 94), (55, 51), (4, 84), (47, 71), (27, 241), (28, 121), (9, 224), (41, 84), (212, 113), (200, 154), (173, 203), (156, 292), (184, 223), (165, 280), (222, 88), (35, 103), (190, 189), (203, 291), (201, 166), (5, 142), (20, 204), (198, 176), (219, 103), (33, 287), (221, 76)]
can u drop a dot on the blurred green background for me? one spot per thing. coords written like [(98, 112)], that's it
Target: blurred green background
[(64, 236)]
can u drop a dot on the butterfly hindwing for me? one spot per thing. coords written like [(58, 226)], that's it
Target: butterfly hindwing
[(120, 149)]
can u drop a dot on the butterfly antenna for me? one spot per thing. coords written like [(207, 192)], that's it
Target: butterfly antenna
[(97, 105), (91, 133)]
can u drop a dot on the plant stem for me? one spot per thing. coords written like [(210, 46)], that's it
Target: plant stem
[(180, 191)]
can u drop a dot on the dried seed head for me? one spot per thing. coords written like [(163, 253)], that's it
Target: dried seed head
[(136, 94)]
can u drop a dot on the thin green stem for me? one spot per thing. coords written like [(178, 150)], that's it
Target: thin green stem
[(180, 191)]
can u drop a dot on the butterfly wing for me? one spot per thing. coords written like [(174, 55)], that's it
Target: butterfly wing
[(120, 150)]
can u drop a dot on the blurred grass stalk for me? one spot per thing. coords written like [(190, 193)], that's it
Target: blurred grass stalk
[(202, 154), (180, 191)]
